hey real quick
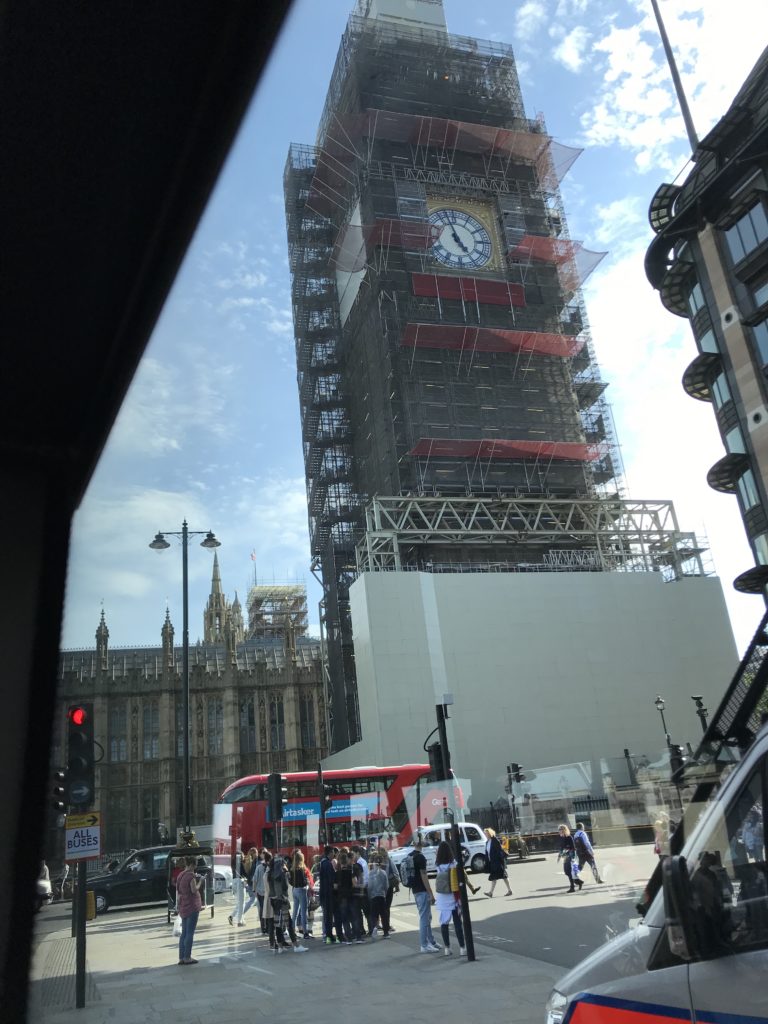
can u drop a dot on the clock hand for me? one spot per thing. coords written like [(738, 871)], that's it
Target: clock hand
[(458, 241)]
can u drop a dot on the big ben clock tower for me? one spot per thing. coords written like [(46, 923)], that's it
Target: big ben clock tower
[(442, 344)]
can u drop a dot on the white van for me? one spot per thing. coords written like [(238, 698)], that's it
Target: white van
[(701, 951), (472, 838)]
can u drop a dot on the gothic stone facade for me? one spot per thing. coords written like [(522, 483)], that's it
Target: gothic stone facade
[(256, 705)]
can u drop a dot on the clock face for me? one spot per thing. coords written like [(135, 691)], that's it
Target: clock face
[(463, 242)]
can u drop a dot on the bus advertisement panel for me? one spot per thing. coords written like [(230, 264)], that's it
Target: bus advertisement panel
[(371, 804)]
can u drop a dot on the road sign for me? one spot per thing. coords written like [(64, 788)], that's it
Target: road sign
[(82, 836)]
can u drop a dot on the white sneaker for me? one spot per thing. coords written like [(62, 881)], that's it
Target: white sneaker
[(447, 951), (435, 948), (299, 949), (462, 951), (374, 931), (427, 949)]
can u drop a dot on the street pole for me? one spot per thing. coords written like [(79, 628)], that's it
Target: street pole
[(630, 767), (185, 674), (160, 544), (321, 787), (701, 711), (455, 836), (467, 920)]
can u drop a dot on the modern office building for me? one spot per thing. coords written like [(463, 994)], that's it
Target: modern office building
[(256, 705), (453, 413), (709, 262)]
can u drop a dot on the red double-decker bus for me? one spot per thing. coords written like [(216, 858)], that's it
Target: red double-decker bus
[(368, 804)]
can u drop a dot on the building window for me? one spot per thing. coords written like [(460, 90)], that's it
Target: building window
[(747, 488), (761, 549), (760, 332), (695, 299), (747, 233), (215, 725), (276, 723), (118, 733), (707, 342), (151, 731), (734, 442), (720, 391), (248, 725), (307, 721), (179, 729), (760, 293), (150, 816)]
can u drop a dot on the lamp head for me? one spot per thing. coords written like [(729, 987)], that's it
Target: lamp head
[(210, 541), (159, 543), (659, 703)]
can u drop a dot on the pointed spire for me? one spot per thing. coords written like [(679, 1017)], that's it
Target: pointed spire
[(167, 634), (236, 602), (216, 581), (102, 641)]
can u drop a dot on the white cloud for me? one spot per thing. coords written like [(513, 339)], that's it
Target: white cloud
[(166, 402), (570, 51), (636, 107), (530, 18)]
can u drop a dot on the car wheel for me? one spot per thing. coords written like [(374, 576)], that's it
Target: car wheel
[(479, 863), (102, 903)]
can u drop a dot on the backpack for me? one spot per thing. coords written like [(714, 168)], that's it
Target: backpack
[(407, 871)]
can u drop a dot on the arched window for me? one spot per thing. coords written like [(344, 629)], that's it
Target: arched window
[(118, 733), (276, 723), (307, 720), (151, 731), (248, 725), (215, 725)]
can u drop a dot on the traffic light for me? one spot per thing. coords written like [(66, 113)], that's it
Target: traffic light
[(516, 772), (436, 766), (60, 791), (80, 779), (276, 795), (327, 799)]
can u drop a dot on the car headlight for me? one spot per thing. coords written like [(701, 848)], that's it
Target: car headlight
[(557, 1004)]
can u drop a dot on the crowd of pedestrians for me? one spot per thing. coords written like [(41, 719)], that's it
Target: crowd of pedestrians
[(345, 896)]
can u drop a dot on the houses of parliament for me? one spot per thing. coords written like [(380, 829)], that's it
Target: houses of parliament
[(256, 705)]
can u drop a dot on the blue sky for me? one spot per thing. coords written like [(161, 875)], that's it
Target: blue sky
[(210, 429)]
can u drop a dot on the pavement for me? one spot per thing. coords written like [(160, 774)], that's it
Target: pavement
[(132, 975)]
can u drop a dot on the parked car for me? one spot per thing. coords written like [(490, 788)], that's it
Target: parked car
[(472, 839), (142, 877)]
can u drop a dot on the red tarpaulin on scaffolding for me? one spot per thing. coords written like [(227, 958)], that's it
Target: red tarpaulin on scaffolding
[(486, 448), (471, 289), (490, 339)]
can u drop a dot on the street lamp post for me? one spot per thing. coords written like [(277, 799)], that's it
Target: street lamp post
[(160, 544), (701, 711), (659, 705)]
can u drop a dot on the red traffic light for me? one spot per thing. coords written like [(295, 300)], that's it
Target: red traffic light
[(77, 715)]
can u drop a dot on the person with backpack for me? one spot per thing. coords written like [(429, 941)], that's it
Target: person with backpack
[(448, 896), (416, 875), (584, 850)]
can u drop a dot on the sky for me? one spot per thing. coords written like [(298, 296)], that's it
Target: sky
[(210, 429)]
